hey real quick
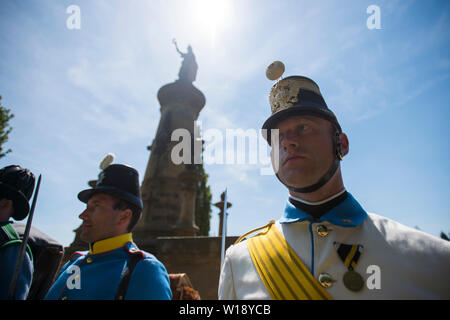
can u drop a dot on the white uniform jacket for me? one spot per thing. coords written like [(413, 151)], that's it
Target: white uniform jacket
[(397, 262)]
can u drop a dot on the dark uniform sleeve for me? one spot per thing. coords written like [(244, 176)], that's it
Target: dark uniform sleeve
[(149, 281), (8, 260)]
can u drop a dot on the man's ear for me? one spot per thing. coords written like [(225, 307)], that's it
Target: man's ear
[(125, 216), (345, 147)]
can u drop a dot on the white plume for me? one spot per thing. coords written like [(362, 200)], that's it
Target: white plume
[(107, 160)]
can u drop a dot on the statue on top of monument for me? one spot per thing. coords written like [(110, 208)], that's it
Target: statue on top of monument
[(188, 70)]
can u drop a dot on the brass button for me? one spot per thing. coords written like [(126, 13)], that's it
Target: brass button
[(89, 260), (322, 230), (325, 280)]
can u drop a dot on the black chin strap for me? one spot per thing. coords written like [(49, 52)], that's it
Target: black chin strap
[(318, 184), (327, 175)]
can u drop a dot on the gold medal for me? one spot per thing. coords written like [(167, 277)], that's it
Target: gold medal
[(353, 281)]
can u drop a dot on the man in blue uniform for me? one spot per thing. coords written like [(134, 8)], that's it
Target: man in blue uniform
[(16, 188), (114, 267)]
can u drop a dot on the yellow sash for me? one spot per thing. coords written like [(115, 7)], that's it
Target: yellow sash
[(281, 270)]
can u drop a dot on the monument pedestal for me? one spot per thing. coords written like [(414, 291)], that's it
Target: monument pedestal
[(198, 257)]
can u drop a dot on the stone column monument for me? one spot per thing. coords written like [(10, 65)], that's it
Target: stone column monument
[(166, 228), (169, 189)]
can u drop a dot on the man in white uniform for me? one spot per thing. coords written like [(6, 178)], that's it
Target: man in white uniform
[(325, 245)]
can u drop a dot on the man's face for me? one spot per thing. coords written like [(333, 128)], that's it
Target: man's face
[(305, 150), (99, 218), (6, 209)]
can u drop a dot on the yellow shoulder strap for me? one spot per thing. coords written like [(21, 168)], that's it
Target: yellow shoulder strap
[(241, 238), (281, 270)]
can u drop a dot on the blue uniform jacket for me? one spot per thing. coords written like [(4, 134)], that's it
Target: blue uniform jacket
[(101, 268), (8, 259)]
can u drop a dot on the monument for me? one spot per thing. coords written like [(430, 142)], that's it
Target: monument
[(169, 189), (167, 226)]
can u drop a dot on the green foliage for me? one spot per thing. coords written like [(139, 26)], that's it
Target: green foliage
[(203, 204), (444, 236), (5, 129)]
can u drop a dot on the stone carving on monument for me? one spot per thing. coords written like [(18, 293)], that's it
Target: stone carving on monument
[(188, 70)]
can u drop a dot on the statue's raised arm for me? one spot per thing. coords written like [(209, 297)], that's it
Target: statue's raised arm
[(176, 47)]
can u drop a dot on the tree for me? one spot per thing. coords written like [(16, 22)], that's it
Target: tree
[(203, 203), (444, 236), (5, 128)]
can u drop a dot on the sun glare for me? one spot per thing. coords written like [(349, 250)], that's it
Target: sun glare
[(213, 16)]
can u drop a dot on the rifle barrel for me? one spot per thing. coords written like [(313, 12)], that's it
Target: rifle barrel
[(23, 246)]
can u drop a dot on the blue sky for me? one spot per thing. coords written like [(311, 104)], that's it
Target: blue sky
[(79, 94)]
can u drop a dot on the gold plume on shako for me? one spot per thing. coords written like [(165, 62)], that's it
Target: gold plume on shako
[(106, 161), (275, 70)]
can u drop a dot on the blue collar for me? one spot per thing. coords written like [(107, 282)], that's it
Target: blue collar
[(348, 213)]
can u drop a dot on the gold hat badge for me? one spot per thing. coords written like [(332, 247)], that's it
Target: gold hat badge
[(294, 95), (285, 92)]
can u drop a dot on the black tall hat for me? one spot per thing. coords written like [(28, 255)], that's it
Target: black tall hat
[(297, 95), (17, 184), (118, 180)]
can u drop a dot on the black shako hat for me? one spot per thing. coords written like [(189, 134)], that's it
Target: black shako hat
[(297, 95), (118, 180), (17, 184)]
